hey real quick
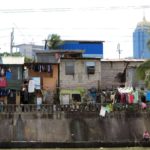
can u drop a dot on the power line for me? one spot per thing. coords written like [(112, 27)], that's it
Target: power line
[(62, 28), (4, 29), (31, 10), (76, 28)]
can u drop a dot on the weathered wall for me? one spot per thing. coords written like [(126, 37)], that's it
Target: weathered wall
[(63, 127), (109, 70), (47, 81), (80, 78)]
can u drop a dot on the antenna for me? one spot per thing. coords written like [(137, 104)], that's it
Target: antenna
[(144, 15), (118, 49)]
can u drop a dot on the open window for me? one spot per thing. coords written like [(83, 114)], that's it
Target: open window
[(90, 67), (69, 68), (76, 97)]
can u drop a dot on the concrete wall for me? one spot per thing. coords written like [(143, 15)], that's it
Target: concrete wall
[(110, 68), (80, 78), (63, 127)]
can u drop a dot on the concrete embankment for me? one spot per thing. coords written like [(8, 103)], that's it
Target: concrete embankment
[(74, 127)]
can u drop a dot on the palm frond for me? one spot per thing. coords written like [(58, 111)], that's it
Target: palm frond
[(141, 70)]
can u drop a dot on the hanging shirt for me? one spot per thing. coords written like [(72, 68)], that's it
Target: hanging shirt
[(131, 98), (49, 69), (31, 86), (39, 100), (136, 96), (26, 74), (148, 96), (102, 111), (109, 108), (8, 75), (123, 98), (112, 97), (2, 72)]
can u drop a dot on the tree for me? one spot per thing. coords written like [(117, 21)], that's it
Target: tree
[(54, 41), (148, 44), (28, 60), (8, 54), (143, 73), (121, 76)]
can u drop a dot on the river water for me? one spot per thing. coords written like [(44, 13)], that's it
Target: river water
[(127, 148)]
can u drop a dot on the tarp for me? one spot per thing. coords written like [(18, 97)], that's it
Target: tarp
[(72, 91)]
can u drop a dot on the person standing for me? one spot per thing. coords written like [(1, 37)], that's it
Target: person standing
[(146, 136)]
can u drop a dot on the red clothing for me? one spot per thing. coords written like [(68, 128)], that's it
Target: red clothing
[(130, 98), (123, 98)]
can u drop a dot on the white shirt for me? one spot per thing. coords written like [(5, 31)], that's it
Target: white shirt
[(31, 86)]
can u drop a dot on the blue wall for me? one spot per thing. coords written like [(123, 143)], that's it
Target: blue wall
[(91, 48)]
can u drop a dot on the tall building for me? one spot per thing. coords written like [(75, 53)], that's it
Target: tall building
[(141, 35)]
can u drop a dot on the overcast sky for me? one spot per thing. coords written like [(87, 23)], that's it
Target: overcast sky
[(112, 21)]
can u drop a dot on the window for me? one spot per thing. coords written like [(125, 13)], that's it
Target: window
[(37, 82), (76, 97), (16, 72), (69, 68), (90, 67)]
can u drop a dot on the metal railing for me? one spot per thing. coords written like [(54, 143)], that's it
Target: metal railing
[(83, 107)]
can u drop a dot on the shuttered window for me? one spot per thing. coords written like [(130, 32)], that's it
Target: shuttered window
[(90, 67), (69, 68)]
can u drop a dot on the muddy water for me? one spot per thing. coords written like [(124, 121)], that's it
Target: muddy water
[(129, 148)]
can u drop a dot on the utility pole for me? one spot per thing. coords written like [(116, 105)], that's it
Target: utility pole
[(118, 49), (11, 41)]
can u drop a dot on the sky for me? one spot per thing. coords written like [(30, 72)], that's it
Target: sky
[(111, 21)]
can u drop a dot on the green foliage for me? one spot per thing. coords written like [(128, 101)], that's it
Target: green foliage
[(8, 54), (141, 70), (16, 54), (143, 73), (5, 54), (54, 41), (148, 44), (28, 60)]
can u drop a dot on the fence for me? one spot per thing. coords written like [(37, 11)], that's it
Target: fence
[(83, 107)]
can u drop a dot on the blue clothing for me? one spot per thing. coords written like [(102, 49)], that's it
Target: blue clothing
[(8, 75), (148, 96), (93, 94)]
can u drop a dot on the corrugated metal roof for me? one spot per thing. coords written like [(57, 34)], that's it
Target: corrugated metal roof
[(59, 51), (89, 41), (125, 59), (82, 58)]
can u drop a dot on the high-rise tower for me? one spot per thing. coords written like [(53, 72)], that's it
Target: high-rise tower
[(141, 35)]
